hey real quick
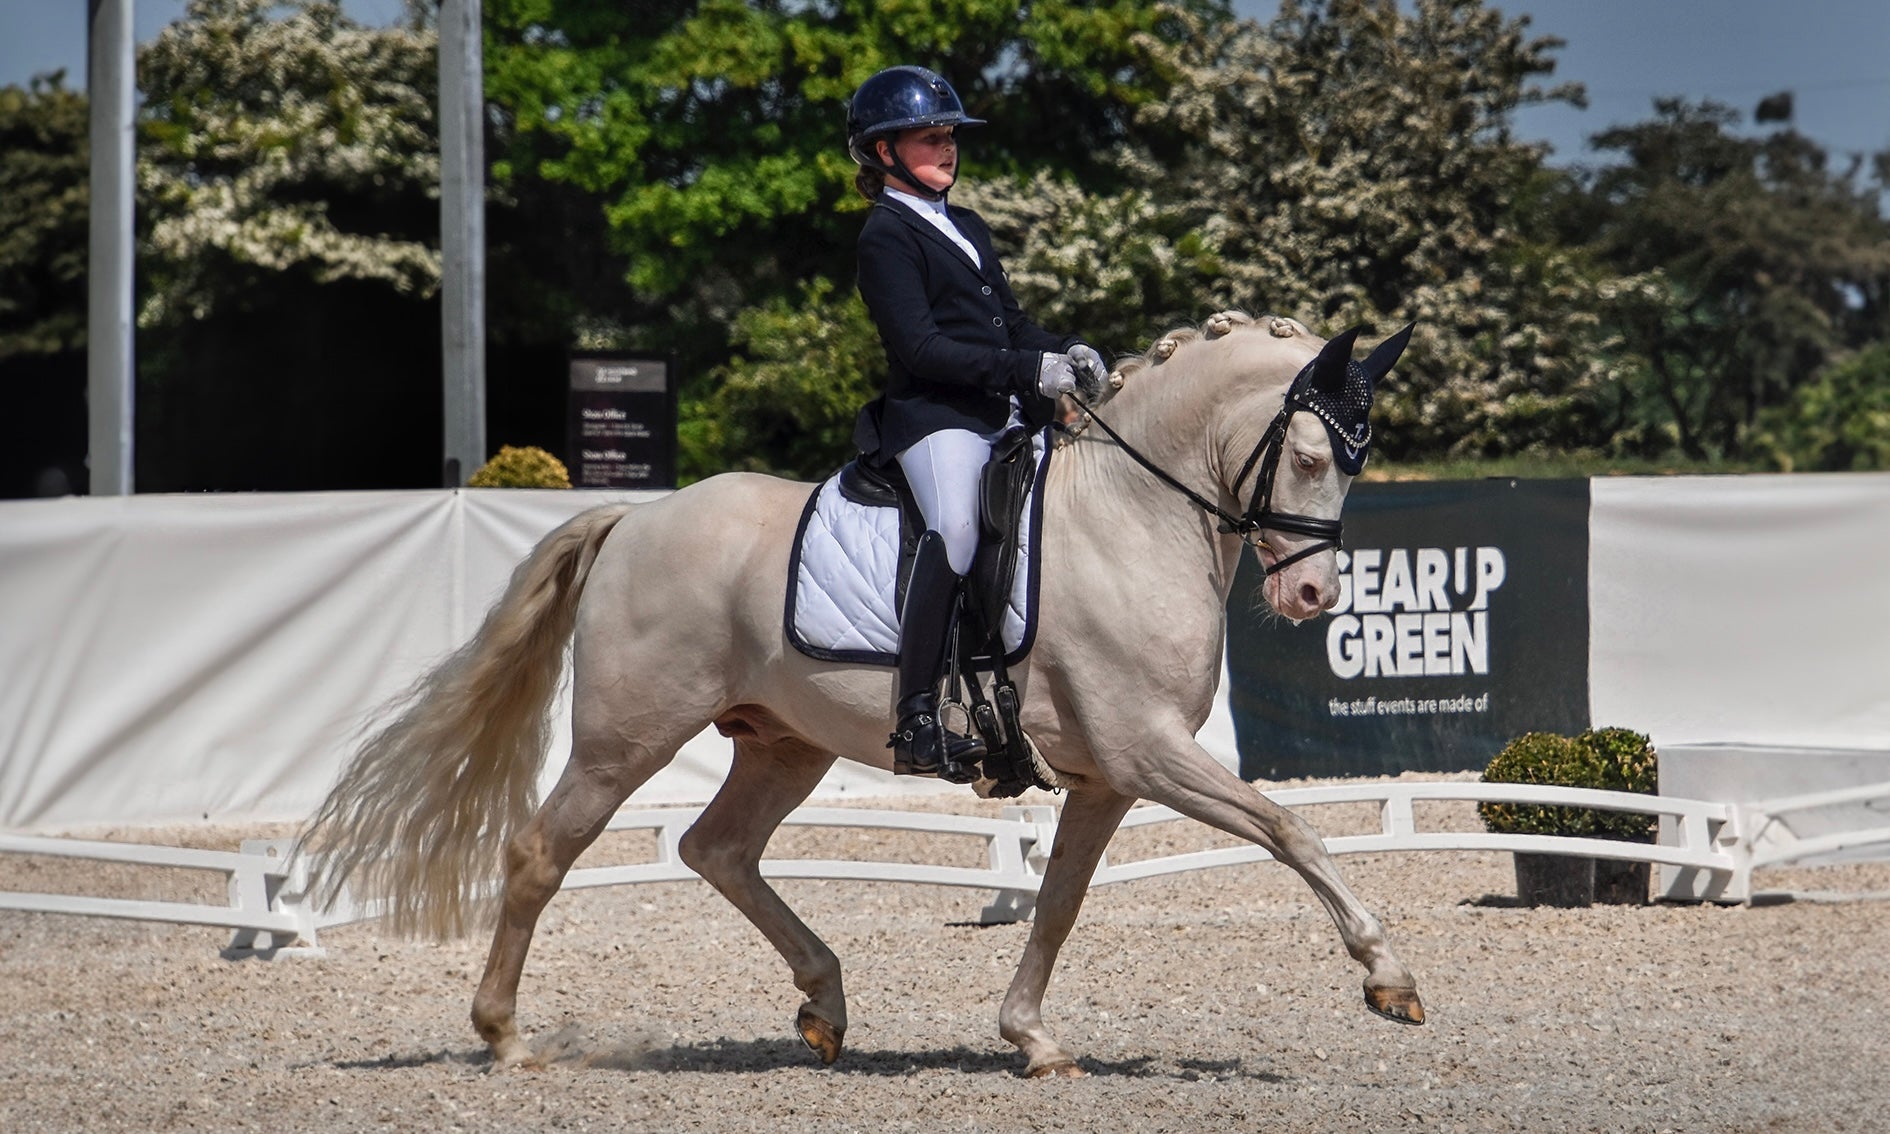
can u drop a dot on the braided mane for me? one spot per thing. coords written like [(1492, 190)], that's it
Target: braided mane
[(1217, 325)]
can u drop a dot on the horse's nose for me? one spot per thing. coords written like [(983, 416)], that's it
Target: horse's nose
[(1313, 597)]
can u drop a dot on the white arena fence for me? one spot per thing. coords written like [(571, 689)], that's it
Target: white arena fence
[(1721, 843)]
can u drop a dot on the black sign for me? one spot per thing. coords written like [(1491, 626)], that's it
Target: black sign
[(621, 432), (1462, 622)]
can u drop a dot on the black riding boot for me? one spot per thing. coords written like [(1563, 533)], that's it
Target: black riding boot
[(921, 744)]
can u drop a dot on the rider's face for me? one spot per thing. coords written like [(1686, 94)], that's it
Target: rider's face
[(931, 153)]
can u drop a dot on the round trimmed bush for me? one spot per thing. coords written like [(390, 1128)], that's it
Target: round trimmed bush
[(527, 467), (1612, 759)]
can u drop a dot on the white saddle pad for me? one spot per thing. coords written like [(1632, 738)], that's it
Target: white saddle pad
[(843, 575)]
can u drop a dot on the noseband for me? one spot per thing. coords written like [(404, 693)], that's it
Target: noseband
[(1260, 514)]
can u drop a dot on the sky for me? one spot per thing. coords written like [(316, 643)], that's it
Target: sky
[(1834, 55)]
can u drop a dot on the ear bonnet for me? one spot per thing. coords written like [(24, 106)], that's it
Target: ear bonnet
[(1339, 391)]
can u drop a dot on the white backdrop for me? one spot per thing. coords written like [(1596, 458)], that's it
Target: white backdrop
[(1747, 610), (191, 658), (180, 658)]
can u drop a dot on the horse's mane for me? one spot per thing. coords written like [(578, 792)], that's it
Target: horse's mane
[(1215, 326)]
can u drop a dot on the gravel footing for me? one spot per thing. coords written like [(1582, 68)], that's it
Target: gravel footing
[(1218, 1000)]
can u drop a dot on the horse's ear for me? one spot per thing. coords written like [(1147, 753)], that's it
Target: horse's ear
[(1386, 355), (1328, 370)]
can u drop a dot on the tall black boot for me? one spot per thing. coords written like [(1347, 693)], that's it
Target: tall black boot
[(921, 744)]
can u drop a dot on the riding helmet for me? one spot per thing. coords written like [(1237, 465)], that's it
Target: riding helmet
[(900, 98)]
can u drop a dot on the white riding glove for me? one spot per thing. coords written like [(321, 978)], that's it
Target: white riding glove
[(1091, 371), (1055, 375)]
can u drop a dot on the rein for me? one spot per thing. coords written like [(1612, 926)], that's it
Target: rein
[(1260, 513)]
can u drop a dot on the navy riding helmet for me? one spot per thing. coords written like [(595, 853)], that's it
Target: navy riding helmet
[(900, 98)]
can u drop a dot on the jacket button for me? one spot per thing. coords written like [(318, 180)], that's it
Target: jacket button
[(986, 289), (997, 321)]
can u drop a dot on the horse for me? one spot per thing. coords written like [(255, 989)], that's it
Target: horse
[(673, 614)]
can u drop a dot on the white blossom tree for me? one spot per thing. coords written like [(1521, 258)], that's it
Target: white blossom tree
[(1348, 162), (284, 138)]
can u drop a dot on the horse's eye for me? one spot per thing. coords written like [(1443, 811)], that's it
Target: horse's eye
[(1307, 462)]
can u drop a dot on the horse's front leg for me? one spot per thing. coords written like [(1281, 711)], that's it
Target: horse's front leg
[(1083, 830), (1183, 776)]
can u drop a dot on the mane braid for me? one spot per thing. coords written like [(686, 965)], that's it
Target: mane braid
[(1217, 325)]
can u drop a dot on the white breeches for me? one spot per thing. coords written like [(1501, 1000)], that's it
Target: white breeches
[(943, 471)]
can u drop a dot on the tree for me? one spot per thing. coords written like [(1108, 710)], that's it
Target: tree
[(1748, 262), (787, 401), (44, 206), (1118, 268), (710, 135), (715, 130), (1837, 422), (286, 142), (44, 210), (1348, 162)]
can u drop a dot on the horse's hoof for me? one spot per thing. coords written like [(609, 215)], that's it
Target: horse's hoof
[(1056, 1069), (527, 1063), (1398, 1004), (510, 1053), (820, 1035)]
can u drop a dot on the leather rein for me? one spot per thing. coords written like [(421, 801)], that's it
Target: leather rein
[(1260, 514)]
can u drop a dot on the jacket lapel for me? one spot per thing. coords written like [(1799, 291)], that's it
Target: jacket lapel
[(978, 237), (931, 232)]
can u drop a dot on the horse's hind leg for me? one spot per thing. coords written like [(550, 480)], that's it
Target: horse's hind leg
[(768, 780), (599, 777)]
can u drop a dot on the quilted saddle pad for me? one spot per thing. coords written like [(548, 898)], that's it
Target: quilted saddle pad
[(843, 576)]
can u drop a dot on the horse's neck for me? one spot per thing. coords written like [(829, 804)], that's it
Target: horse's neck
[(1177, 420)]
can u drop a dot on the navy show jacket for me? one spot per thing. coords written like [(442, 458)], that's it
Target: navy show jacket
[(957, 344)]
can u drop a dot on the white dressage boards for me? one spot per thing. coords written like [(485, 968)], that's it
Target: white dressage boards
[(1716, 845)]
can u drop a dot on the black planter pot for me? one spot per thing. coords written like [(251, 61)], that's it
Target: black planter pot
[(1570, 882), (1622, 883), (1559, 880)]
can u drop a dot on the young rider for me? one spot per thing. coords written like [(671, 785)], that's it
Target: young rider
[(964, 362)]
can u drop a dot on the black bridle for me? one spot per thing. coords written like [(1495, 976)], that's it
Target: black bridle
[(1260, 515)]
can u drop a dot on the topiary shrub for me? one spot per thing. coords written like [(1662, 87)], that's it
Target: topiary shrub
[(1612, 759), (529, 467)]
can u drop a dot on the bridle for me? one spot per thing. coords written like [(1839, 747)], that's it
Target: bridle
[(1260, 514)]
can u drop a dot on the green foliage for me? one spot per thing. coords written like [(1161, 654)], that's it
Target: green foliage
[(710, 136), (44, 200), (669, 176), (1348, 162), (1838, 422), (1746, 263), (288, 248), (1610, 759), (1119, 269), (787, 404), (526, 467)]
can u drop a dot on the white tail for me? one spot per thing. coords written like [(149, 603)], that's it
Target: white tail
[(420, 817)]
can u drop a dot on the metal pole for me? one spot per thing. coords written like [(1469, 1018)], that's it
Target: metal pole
[(462, 238), (111, 84)]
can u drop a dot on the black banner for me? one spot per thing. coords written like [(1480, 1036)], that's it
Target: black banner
[(1463, 622), (621, 432)]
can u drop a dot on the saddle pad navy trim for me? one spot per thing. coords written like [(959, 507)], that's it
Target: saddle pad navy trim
[(870, 536)]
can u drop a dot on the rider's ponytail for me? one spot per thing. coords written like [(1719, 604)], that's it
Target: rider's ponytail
[(870, 182)]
